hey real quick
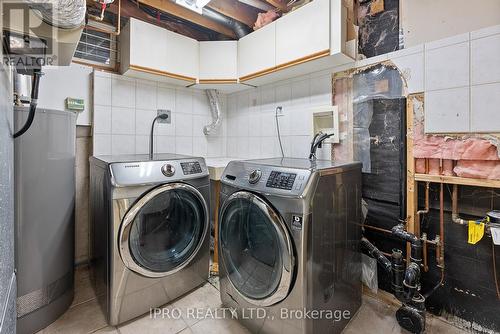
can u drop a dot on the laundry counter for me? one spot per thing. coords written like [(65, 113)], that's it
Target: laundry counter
[(216, 166)]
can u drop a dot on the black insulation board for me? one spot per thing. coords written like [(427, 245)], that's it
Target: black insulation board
[(387, 151), (379, 33)]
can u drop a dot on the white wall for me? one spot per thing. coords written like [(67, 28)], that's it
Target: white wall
[(429, 20), (61, 82), (251, 127), (125, 107)]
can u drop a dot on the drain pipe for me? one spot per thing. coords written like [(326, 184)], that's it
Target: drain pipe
[(240, 29), (213, 99)]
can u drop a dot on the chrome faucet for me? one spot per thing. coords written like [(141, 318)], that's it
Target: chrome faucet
[(316, 142), (151, 137)]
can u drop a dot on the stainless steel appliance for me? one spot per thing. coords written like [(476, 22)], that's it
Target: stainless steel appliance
[(289, 241), (7, 274), (149, 231), (44, 214)]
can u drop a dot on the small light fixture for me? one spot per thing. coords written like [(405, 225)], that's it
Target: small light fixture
[(194, 5)]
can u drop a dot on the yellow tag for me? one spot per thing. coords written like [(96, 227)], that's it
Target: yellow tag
[(476, 231)]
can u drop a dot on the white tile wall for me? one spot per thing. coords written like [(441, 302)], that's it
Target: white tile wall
[(460, 77), (447, 111), (462, 83), (485, 102), (251, 122), (124, 109)]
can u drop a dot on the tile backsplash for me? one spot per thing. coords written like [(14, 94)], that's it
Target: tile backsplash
[(125, 107), (251, 121)]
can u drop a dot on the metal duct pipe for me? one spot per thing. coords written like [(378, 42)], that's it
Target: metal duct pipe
[(65, 14), (213, 99), (240, 29)]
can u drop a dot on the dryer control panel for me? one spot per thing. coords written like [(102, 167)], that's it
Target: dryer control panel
[(266, 179), (281, 180)]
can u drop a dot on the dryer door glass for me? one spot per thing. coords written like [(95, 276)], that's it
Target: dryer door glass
[(256, 249), (164, 230)]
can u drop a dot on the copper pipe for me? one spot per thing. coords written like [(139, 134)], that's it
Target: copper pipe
[(424, 252), (495, 269), (441, 226), (118, 25), (380, 229), (455, 217), (426, 209)]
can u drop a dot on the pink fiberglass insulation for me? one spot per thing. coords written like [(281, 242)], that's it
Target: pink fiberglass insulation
[(478, 169), (475, 157), (442, 147)]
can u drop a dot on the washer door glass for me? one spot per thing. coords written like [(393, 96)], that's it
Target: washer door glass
[(164, 230), (256, 249)]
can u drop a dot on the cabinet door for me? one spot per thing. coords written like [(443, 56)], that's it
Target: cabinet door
[(218, 60), (257, 51), (147, 46), (182, 55), (303, 32)]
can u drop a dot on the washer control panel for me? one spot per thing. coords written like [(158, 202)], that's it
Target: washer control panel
[(267, 179), (191, 167), (281, 180), (254, 176)]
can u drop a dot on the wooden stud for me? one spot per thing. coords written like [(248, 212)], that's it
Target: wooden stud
[(412, 225)]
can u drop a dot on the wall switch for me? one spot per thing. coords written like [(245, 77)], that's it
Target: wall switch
[(163, 111)]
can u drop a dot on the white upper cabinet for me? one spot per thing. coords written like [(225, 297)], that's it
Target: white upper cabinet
[(182, 55), (303, 33), (218, 61), (151, 52), (147, 46), (257, 51)]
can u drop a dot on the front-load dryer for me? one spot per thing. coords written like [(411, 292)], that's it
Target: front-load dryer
[(149, 231), (289, 244)]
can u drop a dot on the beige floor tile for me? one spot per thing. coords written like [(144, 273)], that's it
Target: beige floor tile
[(219, 326), (83, 287), (150, 325), (214, 280), (203, 298), (107, 330), (439, 326), (81, 319)]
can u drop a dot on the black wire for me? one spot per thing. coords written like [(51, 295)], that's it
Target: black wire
[(34, 97), (278, 129)]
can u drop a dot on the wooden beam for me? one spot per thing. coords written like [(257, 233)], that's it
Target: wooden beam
[(188, 15), (235, 10), (278, 4), (464, 181), (130, 10)]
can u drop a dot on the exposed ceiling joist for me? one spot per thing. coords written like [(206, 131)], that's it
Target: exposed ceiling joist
[(278, 4), (235, 10), (188, 15), (129, 9)]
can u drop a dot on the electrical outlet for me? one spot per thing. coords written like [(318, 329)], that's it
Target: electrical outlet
[(163, 111), (279, 111)]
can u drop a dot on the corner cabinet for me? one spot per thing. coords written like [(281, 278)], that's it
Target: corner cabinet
[(149, 51), (309, 39), (257, 52)]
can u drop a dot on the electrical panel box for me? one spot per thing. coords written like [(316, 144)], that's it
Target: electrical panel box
[(326, 120)]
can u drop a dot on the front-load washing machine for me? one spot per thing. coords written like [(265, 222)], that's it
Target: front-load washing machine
[(149, 231), (289, 244)]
